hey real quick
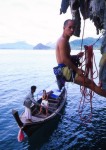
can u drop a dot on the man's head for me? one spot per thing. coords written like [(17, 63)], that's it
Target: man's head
[(69, 26), (44, 91), (33, 88)]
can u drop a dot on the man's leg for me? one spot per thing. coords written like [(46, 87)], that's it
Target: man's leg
[(83, 81), (60, 82), (28, 114)]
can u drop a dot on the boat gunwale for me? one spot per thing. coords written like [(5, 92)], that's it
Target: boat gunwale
[(28, 127), (56, 112)]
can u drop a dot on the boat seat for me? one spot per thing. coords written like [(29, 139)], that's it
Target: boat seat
[(42, 115), (53, 104), (52, 109), (53, 100), (54, 96)]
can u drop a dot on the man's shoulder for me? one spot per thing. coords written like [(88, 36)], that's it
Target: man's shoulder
[(61, 41)]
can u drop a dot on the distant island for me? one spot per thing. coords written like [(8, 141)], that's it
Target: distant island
[(41, 46), (75, 45), (16, 45)]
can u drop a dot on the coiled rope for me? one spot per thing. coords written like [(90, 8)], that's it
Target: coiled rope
[(85, 112)]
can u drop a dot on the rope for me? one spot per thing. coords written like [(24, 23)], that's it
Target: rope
[(87, 95), (97, 39), (83, 35)]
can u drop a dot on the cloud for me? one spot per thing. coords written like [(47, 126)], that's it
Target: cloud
[(32, 21)]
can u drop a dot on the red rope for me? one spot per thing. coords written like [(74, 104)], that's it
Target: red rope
[(87, 94)]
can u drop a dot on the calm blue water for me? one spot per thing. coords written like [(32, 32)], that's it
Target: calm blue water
[(19, 70)]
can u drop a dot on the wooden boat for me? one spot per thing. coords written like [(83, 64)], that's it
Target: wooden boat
[(56, 101)]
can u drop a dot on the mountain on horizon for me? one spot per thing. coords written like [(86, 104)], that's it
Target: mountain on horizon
[(75, 44), (16, 45), (41, 46)]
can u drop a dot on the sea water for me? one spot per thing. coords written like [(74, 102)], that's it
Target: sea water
[(19, 70)]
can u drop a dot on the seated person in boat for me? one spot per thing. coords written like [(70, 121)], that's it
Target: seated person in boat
[(66, 65), (29, 99), (44, 102)]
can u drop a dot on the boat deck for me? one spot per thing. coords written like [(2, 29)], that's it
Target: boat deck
[(36, 118), (53, 106)]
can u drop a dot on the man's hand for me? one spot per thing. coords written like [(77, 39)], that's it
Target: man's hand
[(80, 72), (80, 54)]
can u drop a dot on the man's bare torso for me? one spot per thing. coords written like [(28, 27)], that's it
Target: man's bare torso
[(62, 48)]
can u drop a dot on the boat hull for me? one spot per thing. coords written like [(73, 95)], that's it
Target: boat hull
[(31, 128)]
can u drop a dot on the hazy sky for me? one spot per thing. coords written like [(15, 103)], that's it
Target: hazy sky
[(34, 21)]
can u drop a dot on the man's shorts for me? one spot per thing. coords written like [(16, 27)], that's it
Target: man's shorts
[(67, 73)]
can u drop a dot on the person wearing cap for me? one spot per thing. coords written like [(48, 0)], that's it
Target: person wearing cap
[(29, 99)]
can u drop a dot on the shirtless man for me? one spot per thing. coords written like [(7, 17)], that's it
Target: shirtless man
[(63, 57)]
